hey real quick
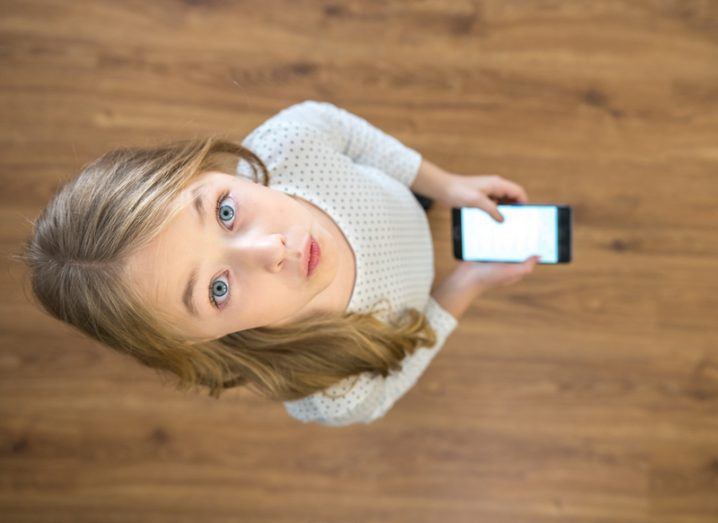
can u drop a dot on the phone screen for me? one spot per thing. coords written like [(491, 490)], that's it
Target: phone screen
[(526, 230)]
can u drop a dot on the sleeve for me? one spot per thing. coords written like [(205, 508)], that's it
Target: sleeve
[(364, 397), (353, 136)]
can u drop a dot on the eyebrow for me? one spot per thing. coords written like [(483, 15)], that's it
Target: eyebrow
[(189, 288)]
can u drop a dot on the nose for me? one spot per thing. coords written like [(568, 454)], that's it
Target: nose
[(263, 252)]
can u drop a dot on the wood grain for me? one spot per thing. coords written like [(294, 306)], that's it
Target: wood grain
[(585, 393)]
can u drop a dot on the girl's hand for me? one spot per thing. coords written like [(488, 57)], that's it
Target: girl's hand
[(482, 191), (482, 276), (485, 192), (469, 279)]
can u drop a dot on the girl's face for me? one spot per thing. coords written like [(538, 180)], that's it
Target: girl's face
[(234, 259)]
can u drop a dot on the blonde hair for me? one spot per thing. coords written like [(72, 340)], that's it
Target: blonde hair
[(77, 257)]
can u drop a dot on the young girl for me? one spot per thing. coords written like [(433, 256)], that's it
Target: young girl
[(178, 256)]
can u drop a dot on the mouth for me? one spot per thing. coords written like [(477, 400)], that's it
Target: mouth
[(306, 255), (313, 256)]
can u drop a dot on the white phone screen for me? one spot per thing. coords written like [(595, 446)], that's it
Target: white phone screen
[(526, 230)]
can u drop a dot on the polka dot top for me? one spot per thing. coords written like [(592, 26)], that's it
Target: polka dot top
[(361, 178)]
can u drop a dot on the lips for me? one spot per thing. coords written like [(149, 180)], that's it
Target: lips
[(306, 253), (315, 256)]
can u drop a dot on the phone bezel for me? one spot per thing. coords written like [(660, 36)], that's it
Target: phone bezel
[(564, 229)]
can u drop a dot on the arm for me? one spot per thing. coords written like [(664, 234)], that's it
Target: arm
[(456, 292), (353, 136), (431, 180)]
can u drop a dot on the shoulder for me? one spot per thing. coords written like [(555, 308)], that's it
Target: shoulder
[(302, 119)]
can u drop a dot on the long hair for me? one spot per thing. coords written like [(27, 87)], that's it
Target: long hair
[(77, 257)]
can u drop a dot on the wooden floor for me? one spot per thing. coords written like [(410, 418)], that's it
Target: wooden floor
[(585, 393)]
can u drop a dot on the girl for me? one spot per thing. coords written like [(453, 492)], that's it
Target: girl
[(182, 257)]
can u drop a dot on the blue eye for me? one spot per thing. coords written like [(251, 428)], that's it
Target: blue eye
[(220, 286), (225, 212), (219, 289)]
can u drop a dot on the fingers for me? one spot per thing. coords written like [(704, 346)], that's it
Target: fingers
[(506, 189), (490, 207), (527, 265), (524, 268), (496, 214), (531, 262), (518, 271)]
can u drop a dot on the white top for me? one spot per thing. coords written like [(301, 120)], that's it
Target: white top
[(361, 177)]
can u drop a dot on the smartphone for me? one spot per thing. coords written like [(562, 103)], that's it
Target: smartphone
[(527, 229)]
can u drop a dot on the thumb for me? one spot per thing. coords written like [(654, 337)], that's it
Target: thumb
[(530, 262)]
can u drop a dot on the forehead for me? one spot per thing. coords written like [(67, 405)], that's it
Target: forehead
[(201, 181), (158, 268), (161, 261)]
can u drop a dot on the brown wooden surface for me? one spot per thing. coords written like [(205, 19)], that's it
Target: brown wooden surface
[(585, 393)]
